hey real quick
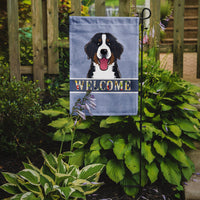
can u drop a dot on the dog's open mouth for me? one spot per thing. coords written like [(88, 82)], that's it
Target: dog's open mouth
[(104, 63)]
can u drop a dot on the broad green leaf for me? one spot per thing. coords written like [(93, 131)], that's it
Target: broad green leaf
[(160, 147), (33, 188), (106, 141), (147, 152), (92, 156), (165, 107), (65, 191), (115, 170), (95, 146), (186, 125), (175, 87), (147, 113), (78, 157), (179, 154), (29, 196), (128, 184), (61, 168), (10, 177), (188, 142), (64, 103), (10, 188), (114, 119), (30, 175), (185, 106), (153, 171), (62, 122), (16, 197), (52, 112), (175, 130), (174, 140), (59, 135), (84, 124), (91, 171), (188, 171), (103, 124), (50, 160), (132, 161), (171, 172), (119, 148)]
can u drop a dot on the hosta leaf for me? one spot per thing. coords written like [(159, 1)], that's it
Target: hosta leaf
[(52, 112), (50, 160), (171, 172), (114, 119), (95, 146), (64, 103), (147, 113), (33, 188), (132, 161), (129, 184), (185, 106), (91, 171), (160, 147), (186, 125), (175, 130), (16, 197), (30, 175), (84, 124), (147, 153), (65, 191), (179, 154), (62, 122), (188, 171), (10, 188), (119, 148), (78, 157), (103, 124), (78, 144), (10, 177), (106, 141), (29, 196), (92, 157), (61, 168), (165, 107), (115, 170), (174, 140), (152, 171), (188, 142), (59, 135)]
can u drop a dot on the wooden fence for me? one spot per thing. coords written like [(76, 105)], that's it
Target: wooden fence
[(45, 34)]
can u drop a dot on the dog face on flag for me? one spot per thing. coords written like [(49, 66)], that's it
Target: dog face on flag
[(103, 50)]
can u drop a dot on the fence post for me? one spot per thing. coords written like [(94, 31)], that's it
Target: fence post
[(100, 8), (76, 7), (14, 44), (37, 38), (178, 46), (52, 35), (124, 8), (155, 27), (198, 44)]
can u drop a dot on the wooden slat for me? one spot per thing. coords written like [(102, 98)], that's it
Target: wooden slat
[(29, 69), (76, 7), (178, 36), (124, 8), (37, 38), (198, 44), (155, 27), (14, 44), (100, 8), (52, 33)]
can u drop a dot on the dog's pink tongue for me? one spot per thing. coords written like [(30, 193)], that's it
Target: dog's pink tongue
[(103, 64)]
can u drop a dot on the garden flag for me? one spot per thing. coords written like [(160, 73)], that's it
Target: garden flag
[(104, 53)]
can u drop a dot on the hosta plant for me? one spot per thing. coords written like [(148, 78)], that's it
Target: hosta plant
[(54, 180)]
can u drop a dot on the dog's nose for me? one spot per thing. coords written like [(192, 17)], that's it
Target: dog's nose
[(104, 51)]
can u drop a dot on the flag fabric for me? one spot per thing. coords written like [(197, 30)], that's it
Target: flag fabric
[(104, 53)]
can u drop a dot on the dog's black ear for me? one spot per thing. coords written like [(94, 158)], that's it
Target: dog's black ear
[(89, 49), (118, 50)]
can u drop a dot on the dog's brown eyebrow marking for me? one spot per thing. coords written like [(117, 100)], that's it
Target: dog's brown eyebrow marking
[(108, 40), (99, 39)]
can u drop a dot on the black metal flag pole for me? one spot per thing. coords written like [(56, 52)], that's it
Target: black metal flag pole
[(141, 84)]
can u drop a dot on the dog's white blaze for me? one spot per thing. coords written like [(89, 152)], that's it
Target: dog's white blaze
[(99, 74), (103, 46)]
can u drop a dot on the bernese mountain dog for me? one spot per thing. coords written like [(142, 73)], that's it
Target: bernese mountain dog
[(103, 50)]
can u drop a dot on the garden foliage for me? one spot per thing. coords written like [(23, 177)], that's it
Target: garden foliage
[(20, 106), (170, 124), (54, 180)]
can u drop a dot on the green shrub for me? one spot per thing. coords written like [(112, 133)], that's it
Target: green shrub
[(19, 112)]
